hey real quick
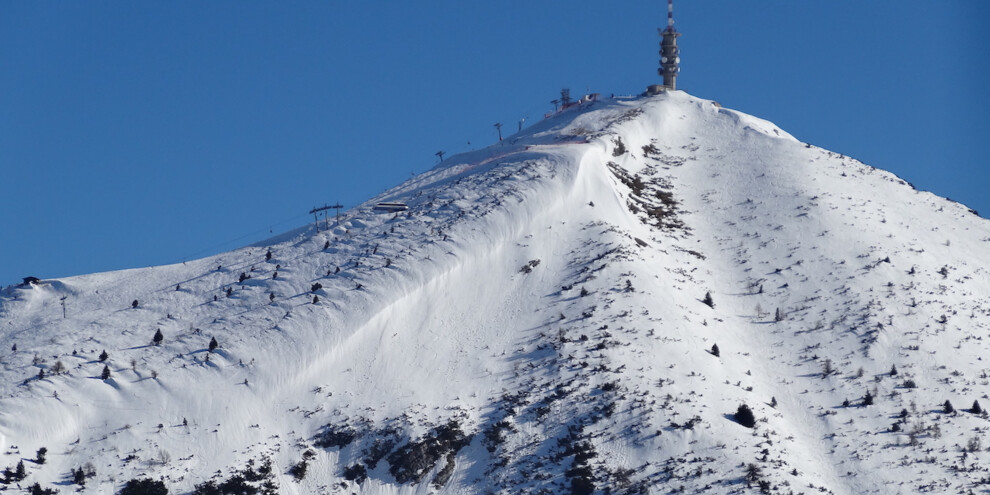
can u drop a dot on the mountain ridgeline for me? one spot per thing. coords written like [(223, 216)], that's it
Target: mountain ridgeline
[(645, 295)]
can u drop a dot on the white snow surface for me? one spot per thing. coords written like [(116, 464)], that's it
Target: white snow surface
[(529, 295)]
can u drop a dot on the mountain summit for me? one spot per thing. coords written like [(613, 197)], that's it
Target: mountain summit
[(646, 295)]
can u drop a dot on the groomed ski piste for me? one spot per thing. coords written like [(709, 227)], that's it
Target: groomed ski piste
[(537, 322)]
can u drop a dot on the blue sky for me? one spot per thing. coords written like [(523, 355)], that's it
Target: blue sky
[(146, 133)]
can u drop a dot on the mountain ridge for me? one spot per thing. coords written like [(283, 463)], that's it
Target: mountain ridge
[(535, 322)]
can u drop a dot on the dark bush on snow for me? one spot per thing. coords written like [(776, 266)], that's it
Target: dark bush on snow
[(708, 300), (411, 462), (356, 473), (36, 489), (744, 416), (144, 487), (338, 436)]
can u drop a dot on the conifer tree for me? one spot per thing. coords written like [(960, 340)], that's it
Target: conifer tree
[(104, 356), (708, 300), (744, 416), (36, 489), (134, 303), (158, 337), (947, 407), (79, 477), (715, 351), (144, 487), (213, 344), (106, 373)]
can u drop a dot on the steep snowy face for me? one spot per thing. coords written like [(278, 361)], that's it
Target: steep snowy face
[(593, 304)]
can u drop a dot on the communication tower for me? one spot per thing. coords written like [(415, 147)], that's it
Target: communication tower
[(669, 54)]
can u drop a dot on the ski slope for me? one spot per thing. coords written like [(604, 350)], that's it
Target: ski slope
[(535, 323)]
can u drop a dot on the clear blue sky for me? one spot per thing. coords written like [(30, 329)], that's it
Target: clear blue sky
[(146, 133)]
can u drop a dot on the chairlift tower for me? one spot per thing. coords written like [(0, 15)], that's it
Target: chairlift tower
[(669, 53)]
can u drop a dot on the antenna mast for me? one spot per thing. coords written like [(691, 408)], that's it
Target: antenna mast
[(669, 53)]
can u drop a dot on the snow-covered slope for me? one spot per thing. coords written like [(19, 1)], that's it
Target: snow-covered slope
[(535, 323)]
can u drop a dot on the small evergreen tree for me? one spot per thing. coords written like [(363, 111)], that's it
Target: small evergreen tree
[(868, 399), (271, 297), (708, 300), (58, 368), (104, 356), (744, 416), (778, 316), (158, 338), (207, 488), (827, 368), (298, 470), (40, 456), (620, 148), (315, 287), (316, 299), (106, 373), (144, 487), (893, 370), (268, 255), (947, 407), (715, 351), (213, 344), (976, 409), (134, 303), (19, 472), (326, 245), (753, 474), (36, 489), (773, 402), (79, 477)]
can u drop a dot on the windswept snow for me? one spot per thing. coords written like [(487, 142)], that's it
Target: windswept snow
[(534, 324)]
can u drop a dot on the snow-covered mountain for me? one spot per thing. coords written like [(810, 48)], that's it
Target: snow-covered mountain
[(582, 308)]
